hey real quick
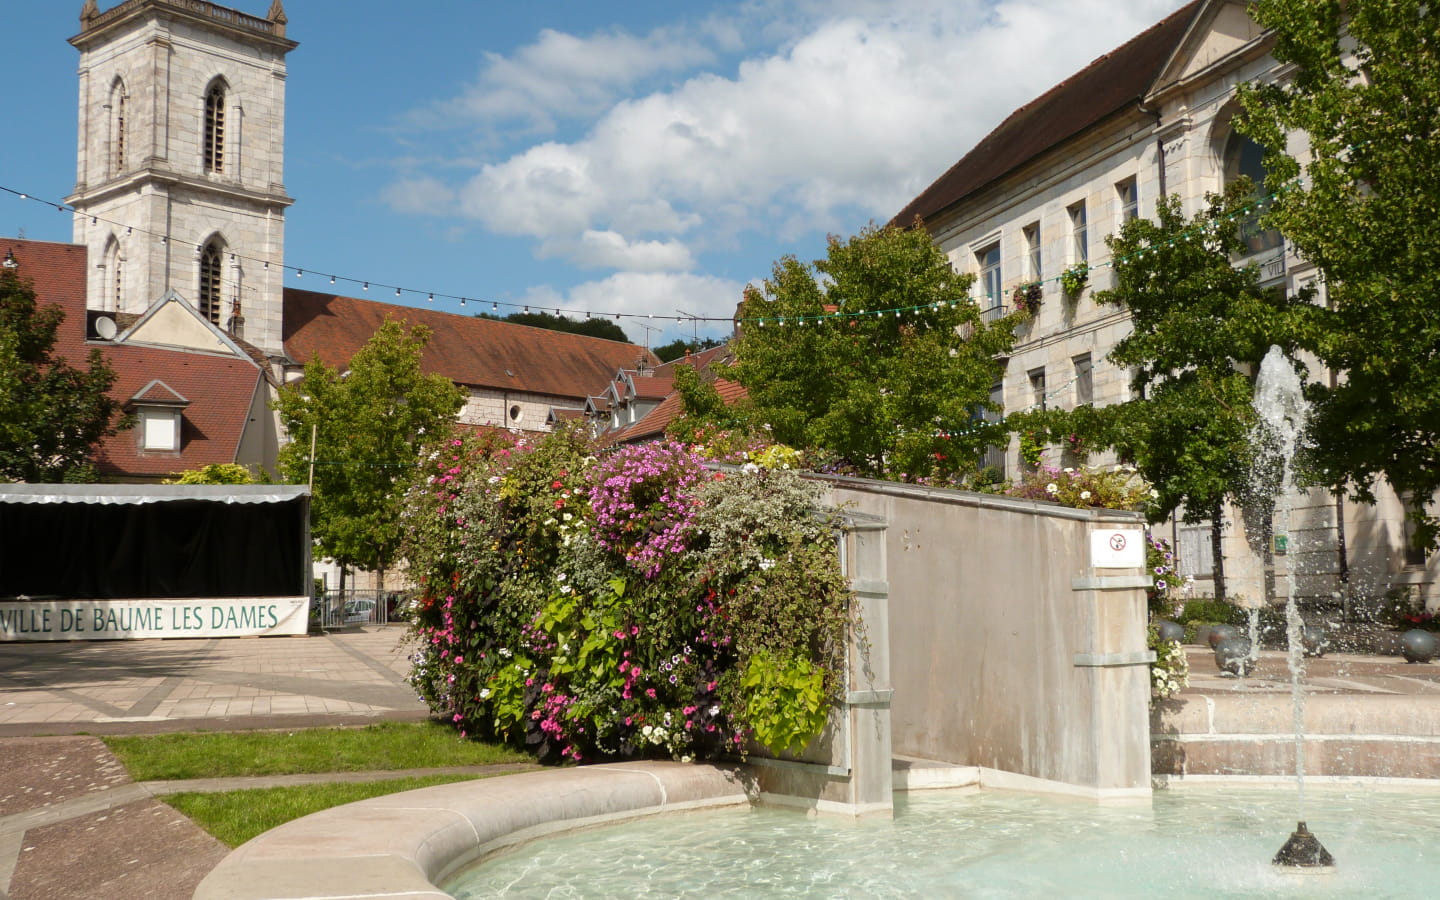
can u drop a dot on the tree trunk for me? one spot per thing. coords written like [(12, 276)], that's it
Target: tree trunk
[(1217, 548)]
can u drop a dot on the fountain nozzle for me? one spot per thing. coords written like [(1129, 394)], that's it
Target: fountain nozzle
[(1304, 851)]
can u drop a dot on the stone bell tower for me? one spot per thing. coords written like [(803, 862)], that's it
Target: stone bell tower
[(180, 177)]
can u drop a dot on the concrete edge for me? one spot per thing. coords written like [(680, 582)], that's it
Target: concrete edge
[(402, 844)]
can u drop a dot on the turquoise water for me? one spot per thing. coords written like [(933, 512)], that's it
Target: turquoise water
[(1188, 843)]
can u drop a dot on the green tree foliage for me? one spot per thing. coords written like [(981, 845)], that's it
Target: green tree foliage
[(52, 415), (1364, 211), (679, 347), (1201, 328), (597, 328), (371, 426), (834, 368), (701, 407), (216, 473)]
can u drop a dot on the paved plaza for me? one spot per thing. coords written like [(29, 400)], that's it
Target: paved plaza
[(130, 687), (72, 823)]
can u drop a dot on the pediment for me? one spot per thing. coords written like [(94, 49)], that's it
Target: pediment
[(1221, 31), (171, 321)]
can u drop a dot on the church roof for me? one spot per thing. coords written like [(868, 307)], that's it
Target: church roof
[(220, 389), (475, 352), (1114, 81)]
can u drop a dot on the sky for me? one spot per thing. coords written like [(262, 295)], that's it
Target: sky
[(643, 158)]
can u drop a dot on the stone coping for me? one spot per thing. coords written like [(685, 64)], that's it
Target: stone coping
[(402, 845)]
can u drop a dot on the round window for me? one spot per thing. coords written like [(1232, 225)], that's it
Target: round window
[(515, 413)]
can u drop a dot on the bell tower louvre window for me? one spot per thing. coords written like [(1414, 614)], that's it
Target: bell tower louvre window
[(215, 129), (210, 282)]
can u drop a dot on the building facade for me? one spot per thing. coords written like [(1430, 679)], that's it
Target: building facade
[(1036, 198)]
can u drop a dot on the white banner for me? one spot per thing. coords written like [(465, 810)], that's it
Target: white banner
[(105, 620)]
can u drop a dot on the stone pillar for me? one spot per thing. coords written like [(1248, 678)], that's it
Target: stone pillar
[(847, 769), (1114, 662)]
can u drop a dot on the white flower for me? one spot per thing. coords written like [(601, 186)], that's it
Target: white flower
[(504, 652), (1052, 488), (1084, 495), (494, 479), (484, 693), (560, 577), (1069, 471), (569, 516), (766, 564), (749, 468), (1154, 494)]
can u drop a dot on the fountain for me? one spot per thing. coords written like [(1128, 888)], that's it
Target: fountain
[(1283, 413)]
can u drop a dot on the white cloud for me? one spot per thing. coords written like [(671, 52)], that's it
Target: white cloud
[(660, 295), (563, 76), (610, 250), (863, 105)]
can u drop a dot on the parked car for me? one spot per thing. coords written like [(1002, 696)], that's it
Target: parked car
[(359, 611)]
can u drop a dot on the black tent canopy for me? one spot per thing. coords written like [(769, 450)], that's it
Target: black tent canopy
[(131, 541)]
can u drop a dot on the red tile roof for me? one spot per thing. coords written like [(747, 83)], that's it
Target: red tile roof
[(220, 389), (470, 351), (1111, 83)]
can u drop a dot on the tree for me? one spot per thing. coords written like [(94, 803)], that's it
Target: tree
[(1363, 207), (216, 473), (52, 415), (1201, 326), (861, 355), (679, 347), (370, 426), (597, 328)]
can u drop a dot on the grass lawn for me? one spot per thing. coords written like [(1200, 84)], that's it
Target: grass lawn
[(235, 817), (383, 746)]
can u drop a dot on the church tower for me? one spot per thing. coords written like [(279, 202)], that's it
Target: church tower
[(180, 179)]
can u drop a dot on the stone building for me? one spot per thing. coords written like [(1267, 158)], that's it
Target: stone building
[(1037, 196)]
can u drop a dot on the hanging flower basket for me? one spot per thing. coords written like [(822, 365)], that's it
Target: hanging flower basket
[(1074, 279), (1026, 298)]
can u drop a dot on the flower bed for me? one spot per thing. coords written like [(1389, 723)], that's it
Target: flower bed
[(635, 604)]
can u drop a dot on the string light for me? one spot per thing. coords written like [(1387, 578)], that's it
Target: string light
[(1189, 235)]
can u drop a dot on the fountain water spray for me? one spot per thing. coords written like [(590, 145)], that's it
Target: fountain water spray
[(1283, 413)]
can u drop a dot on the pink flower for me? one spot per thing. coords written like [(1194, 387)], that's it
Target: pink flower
[(650, 692)]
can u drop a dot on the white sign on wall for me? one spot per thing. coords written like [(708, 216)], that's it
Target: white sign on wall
[(1117, 549), (106, 620)]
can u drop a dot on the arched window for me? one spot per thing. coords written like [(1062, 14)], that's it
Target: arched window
[(117, 127), (113, 289), (210, 301), (214, 137), (1245, 157)]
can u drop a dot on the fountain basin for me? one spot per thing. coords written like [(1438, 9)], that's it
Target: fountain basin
[(403, 844)]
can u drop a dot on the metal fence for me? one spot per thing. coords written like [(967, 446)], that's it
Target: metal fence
[(338, 609)]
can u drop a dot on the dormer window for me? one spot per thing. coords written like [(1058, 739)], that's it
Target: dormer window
[(214, 137), (160, 413)]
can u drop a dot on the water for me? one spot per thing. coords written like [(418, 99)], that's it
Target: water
[(1210, 842), (1284, 413)]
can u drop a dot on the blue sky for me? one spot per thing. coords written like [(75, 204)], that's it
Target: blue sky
[(642, 158)]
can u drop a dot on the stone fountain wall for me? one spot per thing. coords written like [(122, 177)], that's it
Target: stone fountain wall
[(1008, 648)]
